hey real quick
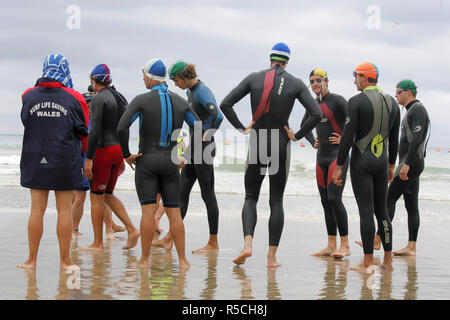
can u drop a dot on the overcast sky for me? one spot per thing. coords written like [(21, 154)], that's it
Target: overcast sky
[(227, 40)]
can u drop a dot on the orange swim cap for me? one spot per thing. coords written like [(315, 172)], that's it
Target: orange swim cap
[(368, 69)]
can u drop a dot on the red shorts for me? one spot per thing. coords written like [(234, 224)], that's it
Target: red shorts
[(106, 169)]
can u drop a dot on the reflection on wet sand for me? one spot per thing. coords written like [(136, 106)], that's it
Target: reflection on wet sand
[(411, 286), (273, 290), (32, 289), (334, 284), (210, 281), (377, 283), (245, 282)]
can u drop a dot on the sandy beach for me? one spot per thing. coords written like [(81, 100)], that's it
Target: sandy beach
[(109, 275)]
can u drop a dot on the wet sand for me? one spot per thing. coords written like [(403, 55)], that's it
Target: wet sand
[(109, 275)]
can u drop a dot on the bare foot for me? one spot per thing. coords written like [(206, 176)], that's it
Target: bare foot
[(92, 248), (163, 243), (387, 265), (245, 253), (184, 264), (208, 248), (117, 228), (405, 252), (132, 239), (27, 265), (110, 236), (76, 234), (342, 252), (325, 252), (272, 263), (142, 263), (360, 267)]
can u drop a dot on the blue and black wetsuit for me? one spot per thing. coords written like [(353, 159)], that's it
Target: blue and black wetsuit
[(371, 130), (334, 110), (162, 113), (272, 95), (204, 105), (414, 132)]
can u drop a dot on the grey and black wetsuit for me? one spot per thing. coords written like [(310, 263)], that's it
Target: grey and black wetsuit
[(334, 110), (272, 95), (414, 132), (371, 128), (162, 113), (204, 105)]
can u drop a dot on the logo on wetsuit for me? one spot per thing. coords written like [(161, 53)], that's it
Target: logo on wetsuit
[(377, 145)]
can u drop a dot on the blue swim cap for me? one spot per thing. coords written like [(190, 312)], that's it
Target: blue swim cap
[(56, 67), (155, 69), (280, 51), (101, 73)]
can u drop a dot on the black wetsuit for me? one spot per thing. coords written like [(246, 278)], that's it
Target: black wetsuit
[(414, 133), (204, 105), (372, 125), (162, 113), (334, 110), (272, 95), (107, 107)]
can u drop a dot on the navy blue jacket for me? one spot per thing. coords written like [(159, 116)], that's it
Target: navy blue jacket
[(56, 121)]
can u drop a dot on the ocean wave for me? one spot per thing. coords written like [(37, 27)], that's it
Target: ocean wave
[(11, 159)]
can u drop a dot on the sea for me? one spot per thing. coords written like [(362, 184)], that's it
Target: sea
[(229, 165)]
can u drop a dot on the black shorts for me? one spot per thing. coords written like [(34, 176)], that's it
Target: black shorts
[(156, 173)]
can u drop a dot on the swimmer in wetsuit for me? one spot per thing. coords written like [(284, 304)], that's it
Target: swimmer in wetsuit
[(272, 94), (104, 159), (329, 131), (371, 130), (204, 105), (162, 113), (415, 130)]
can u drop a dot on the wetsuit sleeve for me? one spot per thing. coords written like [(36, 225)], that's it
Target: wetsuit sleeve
[(190, 116), (311, 107), (97, 106), (215, 116), (231, 99), (351, 124), (418, 122), (123, 129), (342, 106), (309, 136)]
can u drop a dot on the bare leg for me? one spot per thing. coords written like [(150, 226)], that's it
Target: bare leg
[(344, 249), (147, 231), (158, 216), (272, 257), (64, 226), (39, 200), (117, 207), (409, 250), (212, 245), (329, 250), (97, 213), (166, 242), (77, 211), (177, 232), (108, 224), (246, 251)]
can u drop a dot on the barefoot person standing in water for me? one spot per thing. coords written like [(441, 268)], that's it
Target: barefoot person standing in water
[(162, 113), (272, 94), (55, 118), (329, 131), (104, 160), (371, 130)]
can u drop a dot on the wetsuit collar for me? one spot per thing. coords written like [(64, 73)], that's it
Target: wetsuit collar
[(411, 103), (195, 85), (372, 88)]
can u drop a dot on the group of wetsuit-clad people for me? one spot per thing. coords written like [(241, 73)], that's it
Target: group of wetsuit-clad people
[(67, 144)]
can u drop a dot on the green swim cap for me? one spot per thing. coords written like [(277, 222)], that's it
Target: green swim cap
[(407, 85), (176, 68)]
